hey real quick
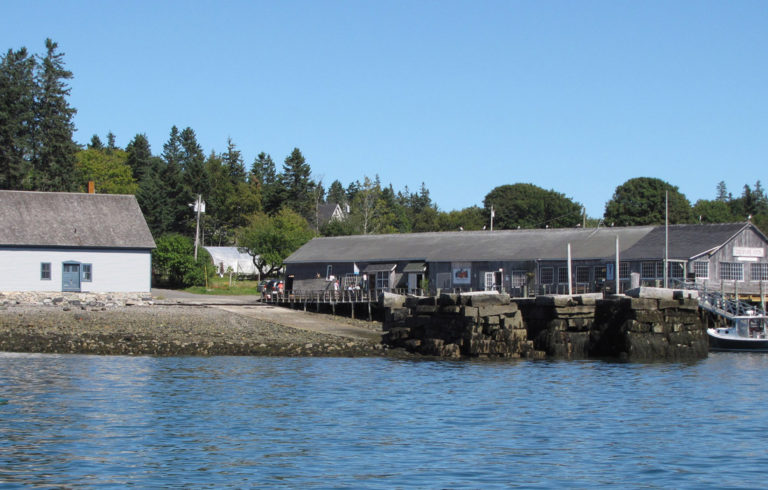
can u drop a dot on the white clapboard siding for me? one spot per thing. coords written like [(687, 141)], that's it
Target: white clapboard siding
[(113, 270)]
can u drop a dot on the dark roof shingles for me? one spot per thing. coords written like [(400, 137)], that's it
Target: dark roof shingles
[(61, 219)]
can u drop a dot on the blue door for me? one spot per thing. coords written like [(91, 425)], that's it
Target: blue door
[(70, 277)]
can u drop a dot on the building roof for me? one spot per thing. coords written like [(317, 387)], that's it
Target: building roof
[(64, 219), (636, 242), (325, 212), (685, 241)]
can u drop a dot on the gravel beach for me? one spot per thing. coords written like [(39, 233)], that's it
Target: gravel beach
[(172, 330)]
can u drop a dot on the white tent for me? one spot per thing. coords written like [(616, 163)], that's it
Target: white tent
[(225, 258)]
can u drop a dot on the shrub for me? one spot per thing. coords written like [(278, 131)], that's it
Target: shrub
[(173, 262)]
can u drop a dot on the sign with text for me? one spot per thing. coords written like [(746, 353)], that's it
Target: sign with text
[(748, 252)]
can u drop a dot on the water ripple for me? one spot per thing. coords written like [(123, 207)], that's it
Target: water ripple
[(378, 423)]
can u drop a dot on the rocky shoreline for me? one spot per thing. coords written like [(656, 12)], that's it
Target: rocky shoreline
[(164, 330)]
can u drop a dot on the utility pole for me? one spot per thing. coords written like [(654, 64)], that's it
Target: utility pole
[(199, 207), (493, 213)]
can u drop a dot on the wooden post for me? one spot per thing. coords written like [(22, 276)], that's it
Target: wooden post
[(352, 308), (369, 311)]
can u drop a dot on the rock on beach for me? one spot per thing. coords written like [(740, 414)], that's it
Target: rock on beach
[(164, 330)]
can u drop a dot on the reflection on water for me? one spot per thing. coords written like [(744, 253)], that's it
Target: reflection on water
[(226, 421)]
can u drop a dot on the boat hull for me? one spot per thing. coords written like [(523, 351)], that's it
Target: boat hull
[(719, 342)]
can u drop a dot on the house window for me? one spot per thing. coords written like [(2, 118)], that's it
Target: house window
[(730, 271), (582, 274), (652, 270), (86, 271), (382, 280), (701, 269), (758, 272), (328, 271), (547, 275), (45, 271), (562, 275), (624, 270)]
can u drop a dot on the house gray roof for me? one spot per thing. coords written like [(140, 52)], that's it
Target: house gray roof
[(636, 242), (325, 212), (63, 219)]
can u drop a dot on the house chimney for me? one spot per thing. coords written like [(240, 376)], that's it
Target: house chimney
[(91, 187)]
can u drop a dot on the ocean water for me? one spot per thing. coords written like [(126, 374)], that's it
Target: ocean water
[(82, 421)]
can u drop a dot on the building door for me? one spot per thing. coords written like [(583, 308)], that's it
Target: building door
[(70, 277), (490, 281)]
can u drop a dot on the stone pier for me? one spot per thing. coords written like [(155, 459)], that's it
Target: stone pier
[(652, 326)]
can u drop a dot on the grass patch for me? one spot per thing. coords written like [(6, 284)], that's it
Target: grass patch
[(221, 285)]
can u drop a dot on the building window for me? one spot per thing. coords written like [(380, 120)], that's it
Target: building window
[(518, 279), (758, 272), (547, 275), (45, 271), (582, 274), (601, 273), (676, 270), (730, 271), (562, 275), (652, 270), (86, 271), (382, 280), (624, 270), (328, 272), (701, 269)]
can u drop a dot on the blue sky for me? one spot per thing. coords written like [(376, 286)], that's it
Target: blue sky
[(463, 96)]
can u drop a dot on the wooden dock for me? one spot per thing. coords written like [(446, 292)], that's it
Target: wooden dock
[(349, 300)]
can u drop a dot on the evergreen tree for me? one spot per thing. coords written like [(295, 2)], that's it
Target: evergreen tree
[(193, 164), (152, 199), (233, 161), (297, 184), (17, 95), (722, 192), (53, 160), (111, 143), (336, 193), (95, 143), (139, 156), (264, 174), (176, 197)]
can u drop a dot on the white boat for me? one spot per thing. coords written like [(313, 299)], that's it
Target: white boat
[(746, 333)]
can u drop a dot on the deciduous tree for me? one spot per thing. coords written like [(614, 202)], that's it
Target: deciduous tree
[(641, 201)]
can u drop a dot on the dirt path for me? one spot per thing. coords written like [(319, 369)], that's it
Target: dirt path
[(249, 307)]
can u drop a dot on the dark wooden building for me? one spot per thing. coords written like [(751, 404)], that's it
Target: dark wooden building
[(524, 262)]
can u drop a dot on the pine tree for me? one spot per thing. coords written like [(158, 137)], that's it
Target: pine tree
[(233, 161), (176, 196), (111, 142), (193, 164), (139, 156), (17, 92), (263, 173), (722, 192), (336, 193), (96, 143), (297, 184), (53, 160)]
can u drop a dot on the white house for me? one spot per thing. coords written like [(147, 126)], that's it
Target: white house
[(59, 241)]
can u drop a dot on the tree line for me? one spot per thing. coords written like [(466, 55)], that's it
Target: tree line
[(269, 210)]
